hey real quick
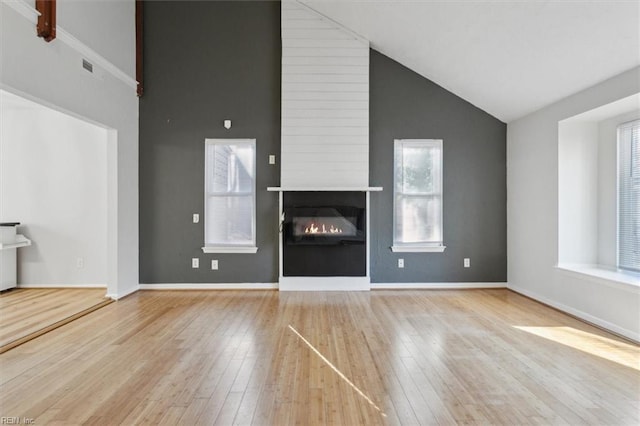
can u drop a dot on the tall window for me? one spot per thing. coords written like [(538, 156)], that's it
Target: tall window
[(417, 195), (629, 196), (230, 196)]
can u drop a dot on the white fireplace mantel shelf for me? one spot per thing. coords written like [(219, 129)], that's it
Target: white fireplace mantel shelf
[(326, 188)]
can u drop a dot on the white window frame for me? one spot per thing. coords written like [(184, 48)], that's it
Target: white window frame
[(623, 150), (230, 248), (424, 247)]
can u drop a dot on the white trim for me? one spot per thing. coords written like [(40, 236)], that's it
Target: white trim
[(118, 296), (324, 284), (398, 146), (62, 286), (436, 286), (210, 286), (418, 249), (325, 188), (94, 57), (367, 225), (627, 281), (629, 334), (251, 142), (64, 36), (306, 286), (229, 249), (24, 9), (280, 235), (52, 106)]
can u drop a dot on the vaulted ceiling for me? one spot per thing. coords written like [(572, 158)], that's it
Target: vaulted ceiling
[(509, 58)]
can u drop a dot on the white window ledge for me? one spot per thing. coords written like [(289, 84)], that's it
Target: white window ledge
[(229, 249), (418, 249), (606, 275)]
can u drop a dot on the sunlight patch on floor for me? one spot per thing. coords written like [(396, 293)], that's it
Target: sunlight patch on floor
[(338, 372), (616, 351)]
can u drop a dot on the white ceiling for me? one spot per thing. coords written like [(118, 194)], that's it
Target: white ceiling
[(509, 58)]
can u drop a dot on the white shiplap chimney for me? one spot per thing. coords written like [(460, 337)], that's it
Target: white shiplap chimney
[(325, 102)]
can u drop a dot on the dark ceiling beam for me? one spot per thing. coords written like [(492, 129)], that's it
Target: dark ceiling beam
[(46, 25), (139, 56)]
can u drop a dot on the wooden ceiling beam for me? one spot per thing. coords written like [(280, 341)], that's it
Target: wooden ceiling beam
[(139, 48), (46, 25)]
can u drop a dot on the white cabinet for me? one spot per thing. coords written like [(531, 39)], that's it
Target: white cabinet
[(10, 241)]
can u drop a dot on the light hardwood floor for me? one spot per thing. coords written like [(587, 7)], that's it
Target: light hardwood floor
[(28, 313), (269, 358)]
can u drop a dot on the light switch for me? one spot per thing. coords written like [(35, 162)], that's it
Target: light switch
[(196, 218), (272, 159)]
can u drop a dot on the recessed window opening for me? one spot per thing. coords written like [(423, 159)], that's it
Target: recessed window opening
[(417, 195), (230, 196)]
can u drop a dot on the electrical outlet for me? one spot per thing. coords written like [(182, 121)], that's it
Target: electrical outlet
[(196, 218), (272, 159), (467, 262), (195, 262), (214, 264), (400, 263), (80, 262)]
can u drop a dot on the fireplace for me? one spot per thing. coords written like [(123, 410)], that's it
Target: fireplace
[(324, 234), (319, 225)]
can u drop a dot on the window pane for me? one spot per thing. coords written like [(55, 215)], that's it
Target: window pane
[(418, 219), (418, 169), (229, 220), (418, 192), (231, 168), (629, 196)]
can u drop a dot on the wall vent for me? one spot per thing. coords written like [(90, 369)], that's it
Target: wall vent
[(87, 65)]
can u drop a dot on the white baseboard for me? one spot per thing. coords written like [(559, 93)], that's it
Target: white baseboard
[(321, 284), (62, 286), (435, 286), (324, 284), (629, 334), (210, 286), (117, 296)]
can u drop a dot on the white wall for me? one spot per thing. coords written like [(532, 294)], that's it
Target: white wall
[(325, 102), (106, 26), (53, 179), (532, 215), (52, 74), (578, 200)]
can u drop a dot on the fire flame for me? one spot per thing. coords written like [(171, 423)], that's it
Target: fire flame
[(321, 229)]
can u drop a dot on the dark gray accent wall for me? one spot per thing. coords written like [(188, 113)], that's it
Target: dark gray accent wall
[(405, 105), (210, 61), (205, 62)]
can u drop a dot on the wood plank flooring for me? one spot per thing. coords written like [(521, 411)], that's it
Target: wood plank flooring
[(29, 313), (270, 358)]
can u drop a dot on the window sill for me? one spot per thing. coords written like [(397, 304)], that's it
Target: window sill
[(606, 275), (230, 249), (418, 249)]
